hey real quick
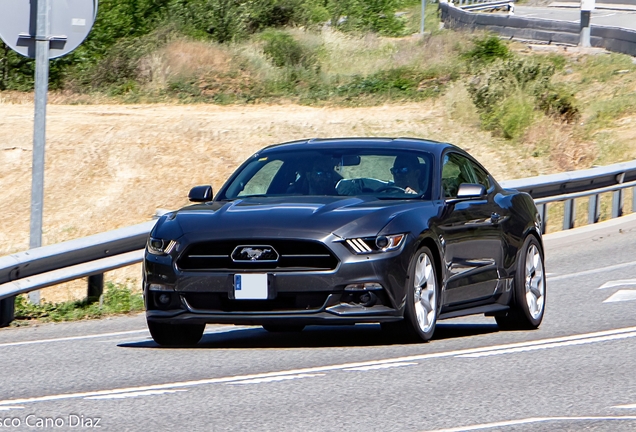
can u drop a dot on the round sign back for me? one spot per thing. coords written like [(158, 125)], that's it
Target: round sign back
[(70, 21)]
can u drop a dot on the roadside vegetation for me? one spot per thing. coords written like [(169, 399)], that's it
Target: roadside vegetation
[(117, 299), (347, 53)]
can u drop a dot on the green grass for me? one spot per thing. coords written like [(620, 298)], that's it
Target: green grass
[(118, 299)]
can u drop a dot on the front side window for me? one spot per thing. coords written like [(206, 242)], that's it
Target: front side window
[(456, 170), (350, 172)]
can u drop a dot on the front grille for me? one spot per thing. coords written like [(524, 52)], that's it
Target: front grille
[(293, 255), (283, 302)]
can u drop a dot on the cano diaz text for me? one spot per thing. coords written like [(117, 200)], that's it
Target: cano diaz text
[(76, 421)]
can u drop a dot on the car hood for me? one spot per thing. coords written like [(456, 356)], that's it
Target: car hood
[(299, 217)]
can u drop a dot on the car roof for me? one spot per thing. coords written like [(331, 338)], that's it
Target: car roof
[(365, 142)]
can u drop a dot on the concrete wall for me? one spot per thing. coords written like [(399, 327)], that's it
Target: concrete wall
[(611, 38)]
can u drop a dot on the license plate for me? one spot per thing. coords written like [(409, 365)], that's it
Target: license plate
[(250, 286)]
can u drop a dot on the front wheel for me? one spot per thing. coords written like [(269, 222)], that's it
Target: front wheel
[(175, 334), (422, 299), (528, 304)]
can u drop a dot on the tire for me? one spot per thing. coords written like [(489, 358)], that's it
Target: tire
[(175, 334), (528, 304), (423, 300), (277, 328)]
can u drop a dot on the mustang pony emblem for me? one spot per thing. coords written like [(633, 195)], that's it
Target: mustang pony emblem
[(254, 254)]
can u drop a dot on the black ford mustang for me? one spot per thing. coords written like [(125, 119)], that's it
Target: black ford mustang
[(400, 232)]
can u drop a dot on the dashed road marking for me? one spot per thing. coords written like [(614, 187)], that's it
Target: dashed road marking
[(134, 394), (9, 408), (618, 283), (380, 366), (621, 296), (630, 406), (275, 379)]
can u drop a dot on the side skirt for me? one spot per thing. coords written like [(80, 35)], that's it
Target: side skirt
[(489, 310)]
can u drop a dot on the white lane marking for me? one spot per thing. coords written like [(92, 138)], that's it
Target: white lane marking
[(552, 345), (618, 283), (318, 369), (275, 379), (64, 339), (103, 335), (380, 366), (621, 295), (529, 420), (9, 408), (135, 394), (593, 271), (630, 406)]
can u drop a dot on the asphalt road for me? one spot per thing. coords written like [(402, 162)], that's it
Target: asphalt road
[(576, 372), (613, 18)]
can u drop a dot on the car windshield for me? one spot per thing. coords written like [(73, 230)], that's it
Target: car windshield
[(334, 172)]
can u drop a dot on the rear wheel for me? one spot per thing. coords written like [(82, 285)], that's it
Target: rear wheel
[(528, 305), (277, 328), (175, 334), (422, 299)]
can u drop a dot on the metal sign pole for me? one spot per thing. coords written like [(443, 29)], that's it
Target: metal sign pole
[(39, 128)]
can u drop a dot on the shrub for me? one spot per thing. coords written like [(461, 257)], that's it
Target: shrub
[(502, 87), (117, 299), (284, 51), (487, 50)]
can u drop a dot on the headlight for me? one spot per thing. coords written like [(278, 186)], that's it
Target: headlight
[(376, 244), (157, 246)]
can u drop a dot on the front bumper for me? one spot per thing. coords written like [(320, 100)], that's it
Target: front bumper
[(305, 297)]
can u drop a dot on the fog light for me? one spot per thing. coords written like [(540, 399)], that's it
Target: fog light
[(159, 287), (367, 286), (164, 299), (368, 299)]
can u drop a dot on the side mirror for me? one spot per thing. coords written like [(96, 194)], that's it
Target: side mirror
[(200, 194), (471, 190)]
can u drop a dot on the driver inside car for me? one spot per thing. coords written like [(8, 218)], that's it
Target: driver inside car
[(406, 174), (406, 171)]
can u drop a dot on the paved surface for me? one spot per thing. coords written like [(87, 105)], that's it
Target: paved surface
[(576, 372), (614, 18)]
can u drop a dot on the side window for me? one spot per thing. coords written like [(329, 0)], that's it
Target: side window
[(481, 175), (456, 170), (260, 181)]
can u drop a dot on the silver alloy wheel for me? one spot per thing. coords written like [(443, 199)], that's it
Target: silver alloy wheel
[(425, 293), (535, 282)]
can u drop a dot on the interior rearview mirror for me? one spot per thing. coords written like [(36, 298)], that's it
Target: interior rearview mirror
[(200, 194)]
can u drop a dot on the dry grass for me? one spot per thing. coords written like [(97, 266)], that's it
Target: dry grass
[(181, 59), (347, 54)]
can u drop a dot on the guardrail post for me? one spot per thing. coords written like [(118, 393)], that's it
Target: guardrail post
[(7, 311), (594, 211), (569, 214), (95, 287), (543, 212), (617, 204)]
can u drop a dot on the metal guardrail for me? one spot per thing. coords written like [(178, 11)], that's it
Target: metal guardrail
[(89, 256), (474, 5), (551, 31)]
